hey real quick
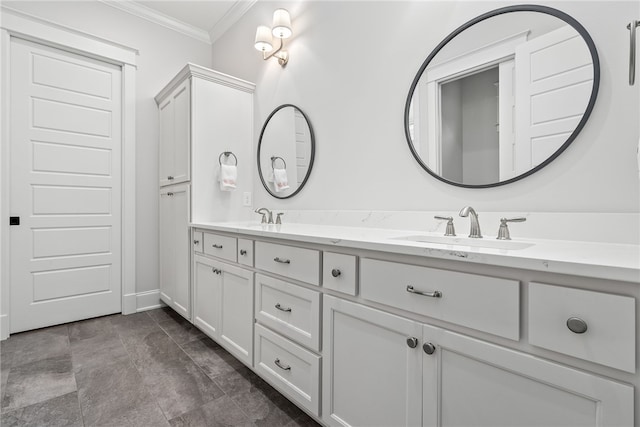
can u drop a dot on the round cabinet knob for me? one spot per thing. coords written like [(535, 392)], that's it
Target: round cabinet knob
[(335, 272), (412, 342), (577, 325), (196, 242), (429, 348)]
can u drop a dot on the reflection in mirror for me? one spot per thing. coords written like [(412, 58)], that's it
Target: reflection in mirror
[(286, 150), (502, 96)]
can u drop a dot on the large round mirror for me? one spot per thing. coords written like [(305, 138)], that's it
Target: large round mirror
[(502, 96), (286, 150)]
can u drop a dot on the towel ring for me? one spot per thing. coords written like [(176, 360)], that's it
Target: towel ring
[(227, 154), (273, 162)]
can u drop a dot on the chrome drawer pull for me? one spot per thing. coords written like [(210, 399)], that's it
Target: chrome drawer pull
[(281, 366), (281, 308), (170, 178), (243, 252), (577, 325), (196, 242), (215, 270), (217, 246), (434, 294), (282, 261)]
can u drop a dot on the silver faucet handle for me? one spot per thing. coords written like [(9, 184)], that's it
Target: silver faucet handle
[(264, 216), (278, 220), (503, 231), (450, 231)]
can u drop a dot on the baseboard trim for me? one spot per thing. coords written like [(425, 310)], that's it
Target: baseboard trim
[(148, 300), (4, 327)]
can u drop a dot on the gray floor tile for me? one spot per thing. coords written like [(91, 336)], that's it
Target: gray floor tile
[(261, 408), (113, 394), (240, 381), (222, 412), (211, 358), (59, 411), (38, 381), (134, 327), (95, 342), (31, 346), (174, 380), (162, 314), (92, 328), (180, 330)]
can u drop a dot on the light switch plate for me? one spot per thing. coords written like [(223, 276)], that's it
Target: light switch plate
[(246, 198)]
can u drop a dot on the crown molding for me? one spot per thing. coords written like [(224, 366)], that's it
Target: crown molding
[(232, 16), (159, 18)]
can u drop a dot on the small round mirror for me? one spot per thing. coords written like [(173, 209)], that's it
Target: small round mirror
[(502, 96), (286, 150)]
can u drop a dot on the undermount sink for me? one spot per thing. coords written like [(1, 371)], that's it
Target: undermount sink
[(465, 241)]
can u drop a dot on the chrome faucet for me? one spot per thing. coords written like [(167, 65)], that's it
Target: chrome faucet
[(474, 231), (265, 212)]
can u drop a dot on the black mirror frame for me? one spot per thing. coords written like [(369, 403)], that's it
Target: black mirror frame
[(518, 8), (311, 160)]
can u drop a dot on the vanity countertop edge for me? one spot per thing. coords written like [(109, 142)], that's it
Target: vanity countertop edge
[(590, 259)]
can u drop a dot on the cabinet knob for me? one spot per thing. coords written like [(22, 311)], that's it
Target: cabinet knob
[(170, 178), (215, 270), (335, 272), (170, 194), (429, 348), (243, 252), (196, 242), (577, 325), (412, 342)]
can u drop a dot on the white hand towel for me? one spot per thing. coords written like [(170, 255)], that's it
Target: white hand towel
[(280, 181), (228, 177)]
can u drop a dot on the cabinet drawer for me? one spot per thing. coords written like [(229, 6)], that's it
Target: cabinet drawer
[(295, 263), (245, 252), (220, 246), (487, 304), (289, 309), (610, 335), (290, 368), (198, 244), (339, 272)]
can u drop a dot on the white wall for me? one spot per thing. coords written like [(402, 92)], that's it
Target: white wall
[(350, 70), (163, 53)]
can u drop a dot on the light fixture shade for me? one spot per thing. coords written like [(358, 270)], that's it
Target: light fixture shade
[(263, 39), (281, 24)]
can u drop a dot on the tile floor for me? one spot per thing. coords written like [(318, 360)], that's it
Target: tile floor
[(146, 369)]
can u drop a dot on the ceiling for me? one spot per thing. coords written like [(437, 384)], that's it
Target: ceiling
[(205, 20)]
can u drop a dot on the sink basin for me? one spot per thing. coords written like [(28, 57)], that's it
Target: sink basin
[(488, 243)]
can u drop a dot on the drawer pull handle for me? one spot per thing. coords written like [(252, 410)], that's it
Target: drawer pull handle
[(170, 194), (434, 294), (281, 308), (282, 261), (243, 252), (412, 342), (577, 325), (281, 366), (429, 348), (196, 242), (215, 270), (217, 246), (335, 272), (170, 178)]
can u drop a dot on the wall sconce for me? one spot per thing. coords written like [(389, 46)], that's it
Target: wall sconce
[(281, 30)]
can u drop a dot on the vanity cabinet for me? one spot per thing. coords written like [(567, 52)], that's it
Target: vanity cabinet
[(174, 245), (223, 305), (382, 369)]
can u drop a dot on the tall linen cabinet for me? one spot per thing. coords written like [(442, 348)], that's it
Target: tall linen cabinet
[(202, 115)]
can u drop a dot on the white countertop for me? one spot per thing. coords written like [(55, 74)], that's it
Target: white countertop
[(598, 260)]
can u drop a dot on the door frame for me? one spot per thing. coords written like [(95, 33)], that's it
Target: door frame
[(15, 24)]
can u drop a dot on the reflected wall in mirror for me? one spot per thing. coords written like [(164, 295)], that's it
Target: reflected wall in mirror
[(502, 96), (286, 150)]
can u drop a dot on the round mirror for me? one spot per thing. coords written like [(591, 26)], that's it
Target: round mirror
[(285, 151), (502, 96)]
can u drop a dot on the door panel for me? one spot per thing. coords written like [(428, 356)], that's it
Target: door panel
[(65, 186)]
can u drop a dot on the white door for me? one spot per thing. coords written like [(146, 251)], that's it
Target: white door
[(554, 78), (468, 382), (175, 136), (65, 187), (372, 368), (207, 293)]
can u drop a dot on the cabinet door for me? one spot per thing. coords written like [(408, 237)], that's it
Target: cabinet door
[(174, 249), (175, 136), (207, 292), (236, 322), (166, 248), (471, 382), (371, 376)]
